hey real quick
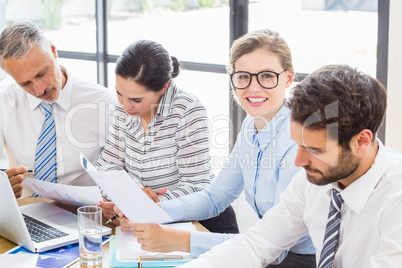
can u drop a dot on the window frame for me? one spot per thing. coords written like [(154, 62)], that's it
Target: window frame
[(238, 27)]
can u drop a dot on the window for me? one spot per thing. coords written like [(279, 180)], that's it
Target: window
[(195, 31), (322, 32)]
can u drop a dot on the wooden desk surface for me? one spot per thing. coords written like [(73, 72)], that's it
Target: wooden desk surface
[(6, 245)]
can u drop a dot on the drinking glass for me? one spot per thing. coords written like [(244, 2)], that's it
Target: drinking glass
[(90, 230)]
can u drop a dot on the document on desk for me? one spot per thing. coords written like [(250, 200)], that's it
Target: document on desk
[(56, 258), (127, 195), (26, 260), (128, 249), (67, 194)]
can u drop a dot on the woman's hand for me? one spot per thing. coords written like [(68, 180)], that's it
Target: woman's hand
[(161, 238), (110, 209), (107, 210), (154, 194), (125, 224)]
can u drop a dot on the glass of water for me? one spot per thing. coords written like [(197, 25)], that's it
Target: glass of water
[(90, 229)]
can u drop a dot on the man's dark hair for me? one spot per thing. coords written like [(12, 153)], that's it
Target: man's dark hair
[(340, 99)]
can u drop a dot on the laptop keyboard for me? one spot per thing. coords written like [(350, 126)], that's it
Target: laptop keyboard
[(41, 232)]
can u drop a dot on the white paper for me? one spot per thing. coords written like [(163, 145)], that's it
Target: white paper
[(128, 249), (21, 260), (68, 194), (127, 195)]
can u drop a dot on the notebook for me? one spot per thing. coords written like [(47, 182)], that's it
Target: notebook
[(128, 250), (14, 228)]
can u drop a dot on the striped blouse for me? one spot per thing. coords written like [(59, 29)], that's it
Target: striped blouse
[(172, 153)]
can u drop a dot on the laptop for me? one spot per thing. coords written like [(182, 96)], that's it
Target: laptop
[(61, 225)]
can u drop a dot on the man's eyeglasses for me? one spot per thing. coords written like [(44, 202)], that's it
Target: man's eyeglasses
[(266, 79)]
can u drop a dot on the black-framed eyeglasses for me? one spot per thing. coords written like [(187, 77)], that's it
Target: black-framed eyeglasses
[(266, 79)]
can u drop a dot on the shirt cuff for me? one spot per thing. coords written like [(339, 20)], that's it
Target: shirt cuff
[(201, 242)]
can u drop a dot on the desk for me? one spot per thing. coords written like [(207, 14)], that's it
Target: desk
[(6, 245)]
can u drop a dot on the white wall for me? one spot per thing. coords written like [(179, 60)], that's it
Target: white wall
[(393, 128)]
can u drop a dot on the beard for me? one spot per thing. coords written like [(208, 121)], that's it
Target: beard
[(347, 165)]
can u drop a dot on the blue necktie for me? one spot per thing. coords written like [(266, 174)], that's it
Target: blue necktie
[(45, 157), (331, 231)]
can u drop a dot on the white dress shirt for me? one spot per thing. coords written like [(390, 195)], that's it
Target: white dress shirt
[(275, 171), (370, 231), (80, 115)]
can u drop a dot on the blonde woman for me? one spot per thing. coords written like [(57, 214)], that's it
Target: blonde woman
[(261, 163)]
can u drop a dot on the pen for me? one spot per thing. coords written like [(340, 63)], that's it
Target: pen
[(29, 170), (112, 218), (139, 263)]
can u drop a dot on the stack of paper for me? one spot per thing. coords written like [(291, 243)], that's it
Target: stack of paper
[(128, 250)]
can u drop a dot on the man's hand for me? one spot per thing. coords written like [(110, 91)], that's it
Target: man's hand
[(154, 194), (16, 176), (161, 238), (107, 210)]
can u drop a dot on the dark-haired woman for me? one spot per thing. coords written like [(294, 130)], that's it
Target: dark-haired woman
[(160, 133)]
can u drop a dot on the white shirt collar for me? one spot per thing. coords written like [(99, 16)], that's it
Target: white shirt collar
[(357, 193)]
